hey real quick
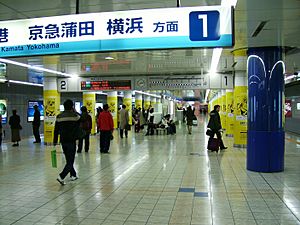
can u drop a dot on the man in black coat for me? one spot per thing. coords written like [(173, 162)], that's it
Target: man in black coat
[(215, 126), (67, 127), (36, 124)]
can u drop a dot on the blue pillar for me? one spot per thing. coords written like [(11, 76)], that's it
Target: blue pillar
[(265, 146)]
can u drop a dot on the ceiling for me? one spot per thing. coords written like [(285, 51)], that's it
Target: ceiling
[(282, 28)]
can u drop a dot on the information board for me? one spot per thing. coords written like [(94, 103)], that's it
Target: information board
[(106, 85)]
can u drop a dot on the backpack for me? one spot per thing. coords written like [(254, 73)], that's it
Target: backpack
[(86, 123)]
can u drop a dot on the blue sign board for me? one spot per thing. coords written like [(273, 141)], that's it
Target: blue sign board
[(30, 110), (163, 28)]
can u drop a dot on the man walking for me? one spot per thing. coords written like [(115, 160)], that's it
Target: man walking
[(67, 126), (36, 124), (124, 120)]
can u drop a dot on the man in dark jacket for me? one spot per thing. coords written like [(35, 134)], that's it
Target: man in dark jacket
[(215, 125), (36, 124), (67, 126), (86, 125)]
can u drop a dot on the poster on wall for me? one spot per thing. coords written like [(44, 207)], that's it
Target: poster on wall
[(3, 111), (288, 108), (30, 110)]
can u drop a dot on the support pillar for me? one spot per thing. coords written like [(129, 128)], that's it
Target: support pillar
[(112, 101), (51, 107), (128, 102), (153, 101), (265, 149), (89, 101), (147, 102), (240, 110), (229, 111), (138, 101), (223, 109)]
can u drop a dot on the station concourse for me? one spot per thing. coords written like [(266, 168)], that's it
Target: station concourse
[(165, 56)]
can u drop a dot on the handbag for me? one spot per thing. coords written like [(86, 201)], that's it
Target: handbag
[(127, 127), (53, 158), (209, 132)]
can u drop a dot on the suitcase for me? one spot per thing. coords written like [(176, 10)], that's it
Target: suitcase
[(213, 144)]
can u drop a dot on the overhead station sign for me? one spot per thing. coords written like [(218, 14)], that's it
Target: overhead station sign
[(190, 27)]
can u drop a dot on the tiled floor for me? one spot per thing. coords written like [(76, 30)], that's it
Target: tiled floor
[(148, 180)]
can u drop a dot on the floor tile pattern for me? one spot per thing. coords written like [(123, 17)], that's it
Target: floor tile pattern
[(148, 180)]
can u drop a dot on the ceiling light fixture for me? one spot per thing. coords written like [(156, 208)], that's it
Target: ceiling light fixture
[(145, 93), (24, 82), (37, 68), (109, 58)]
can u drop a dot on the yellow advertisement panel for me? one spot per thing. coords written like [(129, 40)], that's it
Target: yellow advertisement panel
[(127, 102), (51, 110), (112, 102), (230, 115), (147, 105), (240, 116), (89, 101), (223, 111), (138, 103)]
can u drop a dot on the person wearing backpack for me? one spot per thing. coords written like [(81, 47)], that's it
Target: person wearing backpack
[(86, 125)]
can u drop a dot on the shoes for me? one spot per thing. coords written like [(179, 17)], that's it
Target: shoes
[(36, 142), (224, 148), (86, 151), (126, 136), (61, 181), (121, 137), (74, 178), (78, 151), (15, 145)]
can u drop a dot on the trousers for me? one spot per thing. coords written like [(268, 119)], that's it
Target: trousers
[(69, 150)]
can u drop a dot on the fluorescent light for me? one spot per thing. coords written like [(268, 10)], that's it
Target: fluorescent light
[(24, 82), (36, 68), (109, 58), (215, 60), (3, 80), (148, 94), (206, 95), (229, 3)]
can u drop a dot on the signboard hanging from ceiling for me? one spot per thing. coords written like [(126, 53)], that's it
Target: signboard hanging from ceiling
[(166, 28)]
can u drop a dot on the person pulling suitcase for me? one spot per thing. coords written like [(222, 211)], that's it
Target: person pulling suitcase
[(215, 127)]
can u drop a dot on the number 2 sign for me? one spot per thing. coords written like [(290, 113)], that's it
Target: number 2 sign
[(204, 25)]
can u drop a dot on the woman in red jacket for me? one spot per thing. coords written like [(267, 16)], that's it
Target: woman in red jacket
[(106, 126)]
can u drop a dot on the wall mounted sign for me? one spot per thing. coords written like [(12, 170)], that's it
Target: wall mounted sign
[(163, 28)]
